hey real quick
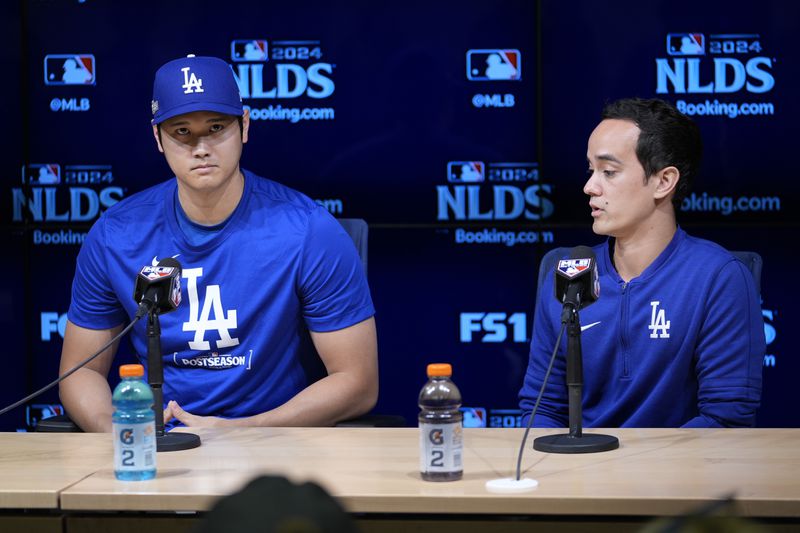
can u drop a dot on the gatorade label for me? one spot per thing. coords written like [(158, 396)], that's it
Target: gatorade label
[(134, 447), (440, 447)]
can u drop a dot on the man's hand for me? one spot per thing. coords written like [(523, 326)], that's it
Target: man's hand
[(350, 356), (174, 410)]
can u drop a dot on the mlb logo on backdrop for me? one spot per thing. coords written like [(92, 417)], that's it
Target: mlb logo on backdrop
[(465, 171), (41, 174), (686, 44), (474, 417), (249, 50), (494, 64), (69, 69)]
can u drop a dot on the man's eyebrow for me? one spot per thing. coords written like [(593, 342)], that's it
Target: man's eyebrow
[(220, 118), (608, 157)]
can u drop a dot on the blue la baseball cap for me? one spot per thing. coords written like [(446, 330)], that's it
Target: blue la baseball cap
[(195, 84)]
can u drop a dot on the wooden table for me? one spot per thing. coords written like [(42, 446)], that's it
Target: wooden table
[(36, 467), (374, 472)]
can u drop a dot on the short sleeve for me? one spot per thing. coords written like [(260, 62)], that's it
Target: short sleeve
[(333, 288), (94, 303)]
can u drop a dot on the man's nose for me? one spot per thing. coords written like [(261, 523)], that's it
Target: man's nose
[(200, 149), (590, 187)]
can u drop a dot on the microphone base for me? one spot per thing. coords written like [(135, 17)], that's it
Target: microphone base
[(510, 485), (173, 442), (566, 443)]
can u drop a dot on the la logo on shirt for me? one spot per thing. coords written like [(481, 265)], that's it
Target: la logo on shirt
[(659, 325), (200, 320)]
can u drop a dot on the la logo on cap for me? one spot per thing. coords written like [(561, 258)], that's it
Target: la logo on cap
[(191, 84)]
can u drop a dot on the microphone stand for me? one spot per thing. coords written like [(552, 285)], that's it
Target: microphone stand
[(165, 442), (575, 441)]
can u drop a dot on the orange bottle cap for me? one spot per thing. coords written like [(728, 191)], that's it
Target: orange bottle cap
[(440, 369), (131, 371)]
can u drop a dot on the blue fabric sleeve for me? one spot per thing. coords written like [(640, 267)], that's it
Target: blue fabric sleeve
[(553, 410), (332, 285), (730, 352), (94, 304)]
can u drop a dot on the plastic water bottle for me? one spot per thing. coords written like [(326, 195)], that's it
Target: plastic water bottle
[(440, 426), (134, 426)]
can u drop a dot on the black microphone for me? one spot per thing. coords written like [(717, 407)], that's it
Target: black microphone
[(158, 291), (577, 284), (158, 288)]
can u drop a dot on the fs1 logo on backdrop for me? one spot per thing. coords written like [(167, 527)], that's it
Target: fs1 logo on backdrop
[(492, 327), (715, 65), (76, 193), (52, 323), (497, 191), (69, 69), (494, 64)]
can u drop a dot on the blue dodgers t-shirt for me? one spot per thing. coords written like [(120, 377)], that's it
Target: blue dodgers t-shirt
[(196, 234), (238, 344)]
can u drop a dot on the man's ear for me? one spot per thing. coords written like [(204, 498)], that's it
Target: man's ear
[(158, 138), (245, 125), (668, 178)]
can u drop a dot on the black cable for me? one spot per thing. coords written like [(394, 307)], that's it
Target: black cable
[(72, 370), (538, 399)]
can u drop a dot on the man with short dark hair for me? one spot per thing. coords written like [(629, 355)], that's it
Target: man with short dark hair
[(676, 338), (266, 273)]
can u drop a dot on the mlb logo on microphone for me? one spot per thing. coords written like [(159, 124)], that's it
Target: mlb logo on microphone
[(494, 64), (686, 44), (41, 174), (69, 69), (573, 267), (155, 272), (249, 50), (466, 171)]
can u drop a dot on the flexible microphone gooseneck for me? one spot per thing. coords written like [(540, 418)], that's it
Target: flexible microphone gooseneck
[(518, 483), (157, 290), (576, 286), (74, 369)]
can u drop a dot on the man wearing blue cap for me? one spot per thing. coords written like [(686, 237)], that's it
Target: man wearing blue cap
[(268, 275)]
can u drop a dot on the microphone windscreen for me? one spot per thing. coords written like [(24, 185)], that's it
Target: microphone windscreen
[(580, 252), (172, 262)]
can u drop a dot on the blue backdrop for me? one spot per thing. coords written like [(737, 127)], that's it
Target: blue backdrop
[(456, 129)]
